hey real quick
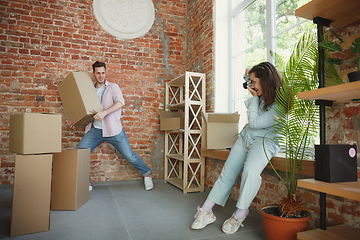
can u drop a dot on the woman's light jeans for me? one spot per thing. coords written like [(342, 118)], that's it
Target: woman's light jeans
[(94, 138), (251, 160)]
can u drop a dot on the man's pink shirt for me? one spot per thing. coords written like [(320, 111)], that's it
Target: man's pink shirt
[(111, 123)]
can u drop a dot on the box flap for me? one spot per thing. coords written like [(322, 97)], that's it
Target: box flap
[(168, 114), (223, 117)]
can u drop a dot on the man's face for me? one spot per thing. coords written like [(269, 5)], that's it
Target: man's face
[(99, 74)]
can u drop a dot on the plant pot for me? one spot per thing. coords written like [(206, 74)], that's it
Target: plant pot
[(278, 228), (354, 76)]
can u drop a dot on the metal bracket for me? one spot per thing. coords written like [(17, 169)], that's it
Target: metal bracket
[(322, 21), (324, 103)]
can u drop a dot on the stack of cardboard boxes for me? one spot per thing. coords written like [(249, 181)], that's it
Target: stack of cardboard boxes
[(34, 137), (47, 176)]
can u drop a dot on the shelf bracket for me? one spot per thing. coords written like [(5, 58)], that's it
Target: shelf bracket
[(322, 21), (323, 103)]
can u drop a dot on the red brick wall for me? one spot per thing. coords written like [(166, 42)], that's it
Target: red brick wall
[(43, 41), (200, 43)]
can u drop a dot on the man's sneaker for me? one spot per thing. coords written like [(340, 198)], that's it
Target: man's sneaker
[(90, 187), (148, 183), (202, 219), (233, 224)]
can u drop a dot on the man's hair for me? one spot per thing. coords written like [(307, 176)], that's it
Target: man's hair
[(98, 64), (270, 80)]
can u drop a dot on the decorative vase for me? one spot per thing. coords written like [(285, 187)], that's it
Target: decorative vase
[(354, 76), (279, 228)]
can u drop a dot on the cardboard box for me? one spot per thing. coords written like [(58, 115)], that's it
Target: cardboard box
[(171, 120), (79, 98), (31, 195), (70, 182), (221, 130), (32, 133)]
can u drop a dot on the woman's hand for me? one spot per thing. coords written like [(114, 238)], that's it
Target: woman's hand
[(253, 92)]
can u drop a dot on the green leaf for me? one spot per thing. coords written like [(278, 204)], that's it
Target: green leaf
[(336, 35), (298, 120), (331, 46), (336, 61)]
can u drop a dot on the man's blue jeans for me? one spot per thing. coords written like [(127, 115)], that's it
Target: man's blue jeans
[(94, 138)]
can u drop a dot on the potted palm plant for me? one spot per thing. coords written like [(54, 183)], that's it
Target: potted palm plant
[(297, 127), (353, 53)]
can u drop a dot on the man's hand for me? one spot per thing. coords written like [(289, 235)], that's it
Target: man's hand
[(69, 124), (99, 115)]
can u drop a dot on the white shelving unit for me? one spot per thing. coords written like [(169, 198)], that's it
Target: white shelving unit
[(184, 165)]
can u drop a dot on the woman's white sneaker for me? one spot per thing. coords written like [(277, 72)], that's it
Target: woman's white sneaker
[(233, 224), (202, 219)]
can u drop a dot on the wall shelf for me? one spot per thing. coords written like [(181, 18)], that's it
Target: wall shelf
[(342, 93), (340, 232), (342, 12), (338, 14), (308, 166), (349, 190)]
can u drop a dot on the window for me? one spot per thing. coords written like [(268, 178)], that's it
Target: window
[(253, 27)]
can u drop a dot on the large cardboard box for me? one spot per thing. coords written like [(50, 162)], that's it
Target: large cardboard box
[(171, 120), (31, 195), (32, 133), (221, 130), (79, 98), (70, 182)]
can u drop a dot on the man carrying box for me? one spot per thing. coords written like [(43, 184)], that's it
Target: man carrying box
[(107, 124)]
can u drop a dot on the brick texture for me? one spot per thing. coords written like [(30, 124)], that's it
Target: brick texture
[(200, 43), (43, 41)]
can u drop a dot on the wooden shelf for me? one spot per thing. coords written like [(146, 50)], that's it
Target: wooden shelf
[(349, 190), (341, 93), (181, 158), (340, 232), (333, 10), (221, 154), (178, 182), (342, 13), (175, 131), (178, 106), (179, 81), (277, 162)]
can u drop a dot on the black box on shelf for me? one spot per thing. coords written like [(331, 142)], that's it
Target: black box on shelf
[(336, 163)]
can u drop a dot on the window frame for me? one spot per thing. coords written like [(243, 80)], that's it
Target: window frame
[(224, 84)]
